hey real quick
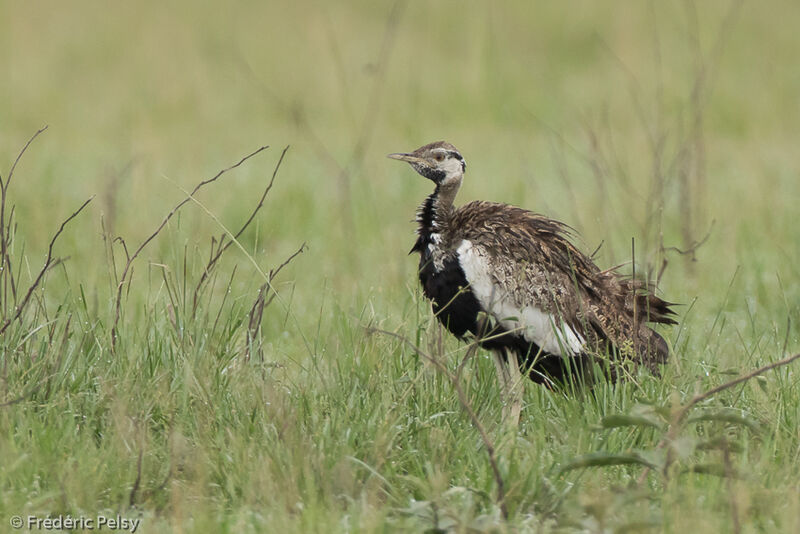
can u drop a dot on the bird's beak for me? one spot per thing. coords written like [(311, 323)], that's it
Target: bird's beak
[(411, 158)]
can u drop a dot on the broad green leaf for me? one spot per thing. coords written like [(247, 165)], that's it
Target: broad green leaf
[(604, 459), (638, 526), (726, 415), (719, 443), (618, 420), (710, 469), (762, 382), (684, 447), (647, 407)]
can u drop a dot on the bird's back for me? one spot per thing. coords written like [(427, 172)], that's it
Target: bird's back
[(519, 262)]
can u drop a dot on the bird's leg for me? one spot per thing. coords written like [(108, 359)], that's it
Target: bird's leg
[(510, 379), (500, 367), (515, 390)]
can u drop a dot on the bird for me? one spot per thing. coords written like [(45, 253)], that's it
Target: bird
[(513, 280)]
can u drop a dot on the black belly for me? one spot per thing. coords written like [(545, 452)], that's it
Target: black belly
[(459, 311), (453, 302)]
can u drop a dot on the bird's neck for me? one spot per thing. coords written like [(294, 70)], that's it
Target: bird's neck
[(445, 195), (434, 215)]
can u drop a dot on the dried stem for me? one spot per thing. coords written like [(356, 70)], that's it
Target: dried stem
[(24, 396), (274, 272), (254, 321), (727, 385), (125, 272), (679, 416), (4, 185), (729, 480), (465, 404), (47, 264), (5, 233), (223, 245), (261, 302), (138, 481)]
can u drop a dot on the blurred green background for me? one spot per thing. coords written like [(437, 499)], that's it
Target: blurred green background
[(672, 123), (144, 96)]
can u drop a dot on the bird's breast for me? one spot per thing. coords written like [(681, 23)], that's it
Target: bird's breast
[(444, 284)]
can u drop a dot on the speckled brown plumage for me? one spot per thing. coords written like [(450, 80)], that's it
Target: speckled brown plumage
[(546, 300), (532, 258)]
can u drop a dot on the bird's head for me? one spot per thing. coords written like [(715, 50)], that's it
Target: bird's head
[(440, 162)]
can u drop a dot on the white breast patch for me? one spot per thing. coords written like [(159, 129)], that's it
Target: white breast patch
[(537, 326)]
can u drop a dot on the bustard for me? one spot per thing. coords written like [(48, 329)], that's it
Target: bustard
[(512, 279)]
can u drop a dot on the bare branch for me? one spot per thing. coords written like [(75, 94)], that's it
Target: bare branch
[(138, 481), (694, 246), (730, 474), (125, 271), (254, 321), (6, 258), (727, 385), (5, 184), (5, 235), (679, 416), (274, 272), (47, 263), (223, 245), (257, 311), (23, 397), (121, 241)]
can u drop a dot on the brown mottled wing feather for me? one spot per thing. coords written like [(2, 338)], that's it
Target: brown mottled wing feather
[(532, 259)]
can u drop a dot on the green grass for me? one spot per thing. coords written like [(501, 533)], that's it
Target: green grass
[(588, 112)]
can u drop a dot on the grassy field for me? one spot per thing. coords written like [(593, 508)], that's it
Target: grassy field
[(211, 406)]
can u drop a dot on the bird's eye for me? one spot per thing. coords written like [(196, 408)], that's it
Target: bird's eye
[(438, 156)]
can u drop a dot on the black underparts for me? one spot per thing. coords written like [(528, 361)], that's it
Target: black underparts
[(459, 311)]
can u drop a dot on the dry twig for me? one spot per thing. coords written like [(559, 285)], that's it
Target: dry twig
[(261, 302), (5, 233), (679, 416), (47, 264), (126, 271), (465, 404), (223, 245)]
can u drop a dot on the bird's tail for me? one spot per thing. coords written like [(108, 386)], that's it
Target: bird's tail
[(642, 303), (652, 349), (643, 306)]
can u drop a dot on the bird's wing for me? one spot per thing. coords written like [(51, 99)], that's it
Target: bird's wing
[(524, 271), (527, 274), (506, 292)]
